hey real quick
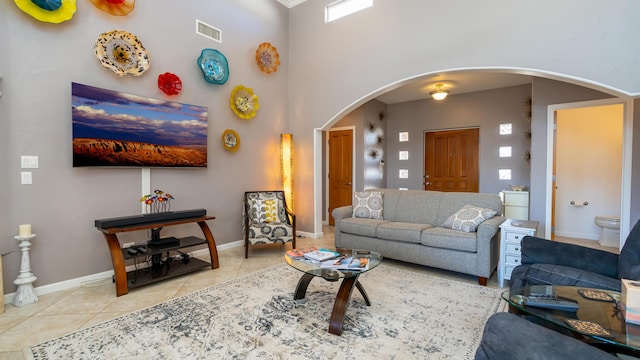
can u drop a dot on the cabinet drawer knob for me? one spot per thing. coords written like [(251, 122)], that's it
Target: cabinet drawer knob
[(517, 237), (517, 261), (517, 249)]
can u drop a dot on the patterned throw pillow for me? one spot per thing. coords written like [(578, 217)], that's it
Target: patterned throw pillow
[(368, 204), (468, 218), (266, 211)]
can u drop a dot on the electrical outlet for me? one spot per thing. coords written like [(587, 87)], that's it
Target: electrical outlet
[(128, 245), (26, 178)]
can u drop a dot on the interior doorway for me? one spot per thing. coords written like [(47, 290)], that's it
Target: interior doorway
[(451, 160), (340, 148), (587, 176), (588, 169)]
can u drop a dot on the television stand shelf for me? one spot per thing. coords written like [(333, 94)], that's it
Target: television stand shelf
[(170, 267), (166, 268)]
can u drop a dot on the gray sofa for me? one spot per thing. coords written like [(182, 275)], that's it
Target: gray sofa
[(411, 231)]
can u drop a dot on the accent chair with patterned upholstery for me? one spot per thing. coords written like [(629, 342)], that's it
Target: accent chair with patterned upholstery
[(267, 219)]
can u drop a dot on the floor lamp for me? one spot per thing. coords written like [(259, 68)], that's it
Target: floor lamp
[(286, 167)]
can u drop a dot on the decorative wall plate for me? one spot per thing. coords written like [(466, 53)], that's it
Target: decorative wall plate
[(230, 140), (244, 102), (267, 58), (169, 83), (121, 52), (115, 7), (214, 66), (51, 11)]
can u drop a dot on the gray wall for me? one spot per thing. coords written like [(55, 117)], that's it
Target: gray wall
[(337, 67), (635, 176), (40, 60), (6, 242), (485, 110)]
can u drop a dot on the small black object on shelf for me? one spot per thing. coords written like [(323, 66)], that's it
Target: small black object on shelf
[(157, 241)]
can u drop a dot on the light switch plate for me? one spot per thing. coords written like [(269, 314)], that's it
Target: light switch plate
[(29, 162)]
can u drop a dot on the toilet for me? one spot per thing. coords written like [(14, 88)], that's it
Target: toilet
[(610, 230)]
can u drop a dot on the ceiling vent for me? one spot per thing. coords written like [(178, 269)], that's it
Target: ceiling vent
[(208, 31)]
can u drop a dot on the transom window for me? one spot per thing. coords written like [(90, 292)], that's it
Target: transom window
[(342, 8)]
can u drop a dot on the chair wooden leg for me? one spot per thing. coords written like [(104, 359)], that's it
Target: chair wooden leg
[(246, 248)]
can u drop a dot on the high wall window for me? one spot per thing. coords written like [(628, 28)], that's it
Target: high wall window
[(504, 151), (342, 8)]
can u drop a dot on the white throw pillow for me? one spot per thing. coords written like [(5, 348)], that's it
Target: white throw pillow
[(368, 204), (468, 218)]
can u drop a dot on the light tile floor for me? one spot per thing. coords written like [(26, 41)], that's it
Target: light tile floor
[(63, 312)]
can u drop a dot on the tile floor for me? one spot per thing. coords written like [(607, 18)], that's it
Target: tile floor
[(62, 312)]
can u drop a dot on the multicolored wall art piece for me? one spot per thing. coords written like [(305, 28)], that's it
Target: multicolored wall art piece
[(112, 128)]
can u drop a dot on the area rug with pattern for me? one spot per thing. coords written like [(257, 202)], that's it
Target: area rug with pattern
[(412, 316)]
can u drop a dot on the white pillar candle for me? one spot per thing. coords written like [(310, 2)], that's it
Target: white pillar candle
[(24, 230)]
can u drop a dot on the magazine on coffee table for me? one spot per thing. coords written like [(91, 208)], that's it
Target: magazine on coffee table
[(299, 253), (346, 263)]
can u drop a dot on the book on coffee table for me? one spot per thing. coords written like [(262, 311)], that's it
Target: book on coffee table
[(321, 255)]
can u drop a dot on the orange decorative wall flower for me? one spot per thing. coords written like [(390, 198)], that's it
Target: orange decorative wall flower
[(267, 58)]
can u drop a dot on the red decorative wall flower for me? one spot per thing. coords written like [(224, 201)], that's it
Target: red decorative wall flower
[(115, 7), (169, 83)]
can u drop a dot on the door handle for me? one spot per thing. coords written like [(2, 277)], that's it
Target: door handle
[(348, 183)]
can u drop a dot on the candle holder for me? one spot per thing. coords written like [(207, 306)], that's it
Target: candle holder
[(25, 294)]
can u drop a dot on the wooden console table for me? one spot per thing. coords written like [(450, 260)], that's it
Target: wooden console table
[(118, 253)]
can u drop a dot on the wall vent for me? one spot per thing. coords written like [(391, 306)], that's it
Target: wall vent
[(208, 31)]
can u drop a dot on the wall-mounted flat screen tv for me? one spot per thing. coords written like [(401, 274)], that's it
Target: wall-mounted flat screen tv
[(112, 128)]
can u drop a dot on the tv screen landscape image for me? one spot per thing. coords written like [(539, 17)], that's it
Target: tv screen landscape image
[(112, 128)]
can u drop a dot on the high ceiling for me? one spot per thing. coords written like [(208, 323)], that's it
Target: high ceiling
[(291, 3), (456, 83)]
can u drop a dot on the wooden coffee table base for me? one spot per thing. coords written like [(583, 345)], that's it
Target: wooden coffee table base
[(342, 299)]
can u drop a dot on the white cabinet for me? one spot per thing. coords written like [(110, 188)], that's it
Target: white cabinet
[(511, 233), (516, 204)]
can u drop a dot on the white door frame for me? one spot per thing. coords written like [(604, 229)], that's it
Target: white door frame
[(627, 139)]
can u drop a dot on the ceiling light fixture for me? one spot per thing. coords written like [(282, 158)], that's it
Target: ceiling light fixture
[(440, 93)]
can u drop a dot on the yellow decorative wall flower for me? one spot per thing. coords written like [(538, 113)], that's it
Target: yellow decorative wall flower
[(244, 102), (48, 11)]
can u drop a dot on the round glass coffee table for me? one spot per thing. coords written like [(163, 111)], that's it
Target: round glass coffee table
[(312, 269), (597, 321)]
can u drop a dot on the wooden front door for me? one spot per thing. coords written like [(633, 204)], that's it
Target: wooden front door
[(340, 170), (451, 160)]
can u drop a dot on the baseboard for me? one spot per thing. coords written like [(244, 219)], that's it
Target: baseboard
[(72, 283), (577, 235), (310, 235)]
